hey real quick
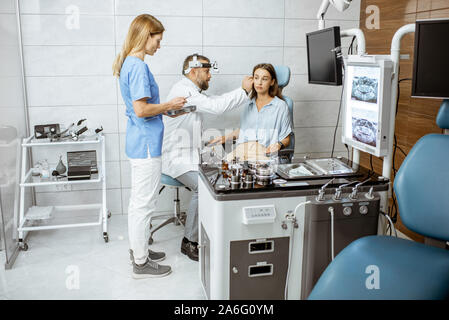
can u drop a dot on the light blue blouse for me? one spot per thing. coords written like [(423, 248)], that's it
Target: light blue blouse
[(267, 126), (142, 134)]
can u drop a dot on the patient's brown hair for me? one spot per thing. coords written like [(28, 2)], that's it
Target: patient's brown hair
[(274, 90)]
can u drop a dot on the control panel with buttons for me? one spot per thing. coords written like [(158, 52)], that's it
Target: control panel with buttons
[(259, 214)]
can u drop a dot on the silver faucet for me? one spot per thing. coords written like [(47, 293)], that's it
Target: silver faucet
[(337, 195), (321, 192), (353, 195), (370, 194)]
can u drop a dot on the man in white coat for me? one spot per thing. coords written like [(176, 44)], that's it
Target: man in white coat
[(182, 135)]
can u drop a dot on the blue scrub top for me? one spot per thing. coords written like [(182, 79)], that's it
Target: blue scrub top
[(267, 126), (142, 134)]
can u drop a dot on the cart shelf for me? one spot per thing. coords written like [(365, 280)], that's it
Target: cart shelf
[(64, 216), (31, 181)]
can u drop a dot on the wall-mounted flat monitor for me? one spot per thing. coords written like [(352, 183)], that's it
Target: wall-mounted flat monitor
[(367, 100), (431, 59), (324, 66)]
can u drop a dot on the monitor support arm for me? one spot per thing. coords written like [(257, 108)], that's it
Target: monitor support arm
[(340, 5), (321, 12), (395, 56)]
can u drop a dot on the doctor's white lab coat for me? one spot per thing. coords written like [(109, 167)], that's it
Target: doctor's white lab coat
[(182, 135)]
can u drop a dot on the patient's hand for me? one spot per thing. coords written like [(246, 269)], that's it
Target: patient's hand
[(217, 140), (273, 148)]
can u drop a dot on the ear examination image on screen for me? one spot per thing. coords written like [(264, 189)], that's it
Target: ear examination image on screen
[(363, 104)]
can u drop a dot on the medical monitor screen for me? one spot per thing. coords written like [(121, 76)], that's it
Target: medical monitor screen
[(431, 60), (323, 65), (363, 103)]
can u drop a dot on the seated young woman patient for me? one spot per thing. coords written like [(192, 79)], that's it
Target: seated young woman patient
[(266, 118)]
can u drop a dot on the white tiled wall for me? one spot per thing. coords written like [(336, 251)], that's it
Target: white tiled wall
[(68, 70)]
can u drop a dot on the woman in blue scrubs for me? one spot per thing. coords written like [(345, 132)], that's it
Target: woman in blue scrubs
[(144, 134)]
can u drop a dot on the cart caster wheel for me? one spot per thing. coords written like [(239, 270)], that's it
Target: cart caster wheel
[(24, 247), (150, 241), (109, 214), (106, 237)]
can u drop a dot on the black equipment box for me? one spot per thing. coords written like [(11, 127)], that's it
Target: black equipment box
[(83, 159), (45, 130), (78, 173)]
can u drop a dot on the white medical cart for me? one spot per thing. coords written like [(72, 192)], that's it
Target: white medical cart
[(27, 181)]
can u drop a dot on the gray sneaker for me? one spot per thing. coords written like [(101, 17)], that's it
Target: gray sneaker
[(150, 269), (154, 256)]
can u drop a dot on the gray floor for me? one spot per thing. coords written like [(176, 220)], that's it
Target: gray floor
[(78, 264)]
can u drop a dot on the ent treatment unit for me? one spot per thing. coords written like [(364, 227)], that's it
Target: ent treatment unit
[(273, 241)]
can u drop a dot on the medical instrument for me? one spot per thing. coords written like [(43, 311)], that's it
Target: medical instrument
[(87, 158), (194, 63), (185, 109), (71, 132), (61, 168), (45, 131), (247, 243), (98, 130)]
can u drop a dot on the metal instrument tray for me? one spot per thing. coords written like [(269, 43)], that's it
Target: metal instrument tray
[(315, 168)]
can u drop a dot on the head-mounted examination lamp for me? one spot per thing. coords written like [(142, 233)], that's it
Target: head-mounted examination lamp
[(197, 64)]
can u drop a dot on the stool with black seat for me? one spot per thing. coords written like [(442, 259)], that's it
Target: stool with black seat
[(177, 217)]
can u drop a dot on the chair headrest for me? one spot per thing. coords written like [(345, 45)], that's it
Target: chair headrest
[(283, 75), (421, 187), (443, 115)]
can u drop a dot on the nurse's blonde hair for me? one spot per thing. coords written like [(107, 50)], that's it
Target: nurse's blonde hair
[(140, 29)]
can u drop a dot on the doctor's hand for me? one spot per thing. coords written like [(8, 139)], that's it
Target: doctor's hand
[(176, 103), (247, 83), (174, 116), (273, 148), (217, 140)]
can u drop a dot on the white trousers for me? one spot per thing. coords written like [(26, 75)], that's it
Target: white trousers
[(145, 179)]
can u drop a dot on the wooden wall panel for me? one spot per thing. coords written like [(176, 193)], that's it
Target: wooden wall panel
[(415, 117)]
